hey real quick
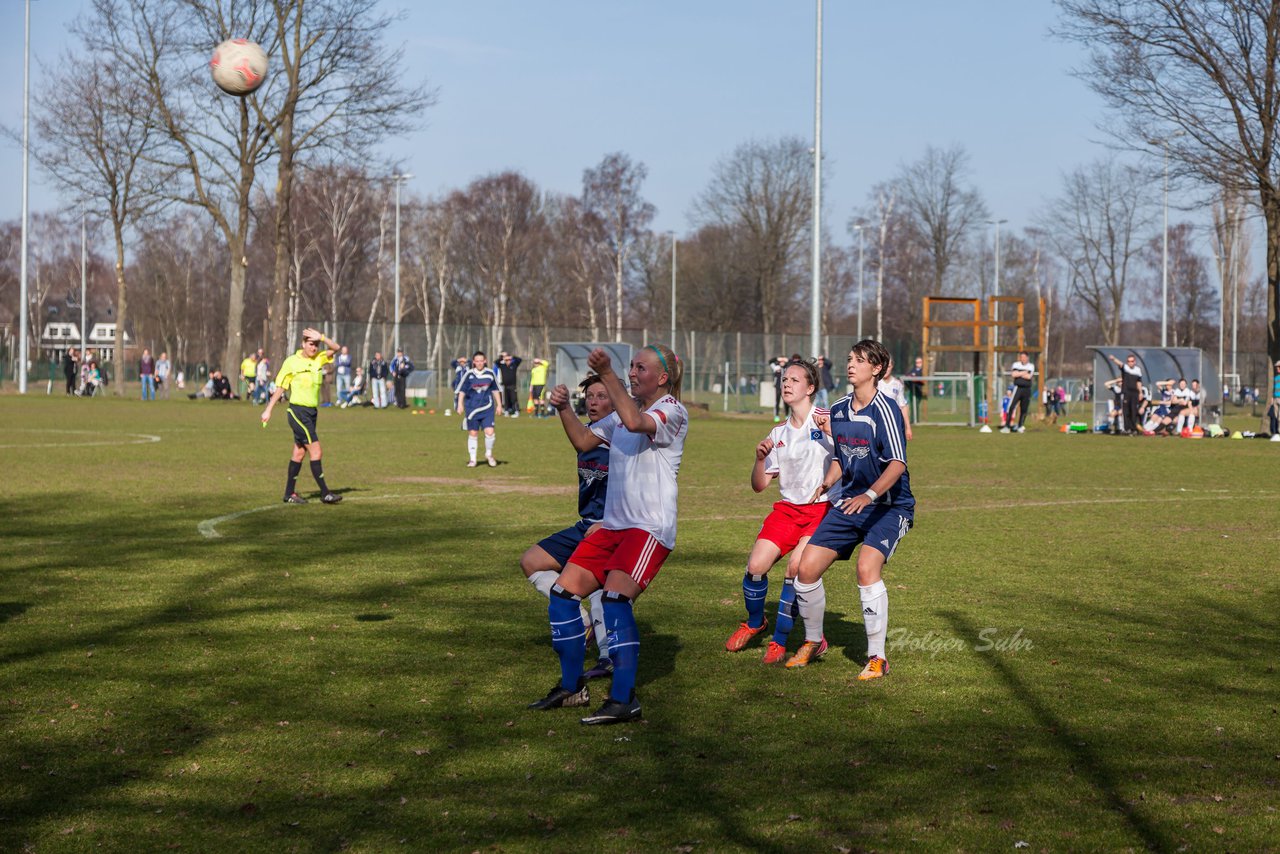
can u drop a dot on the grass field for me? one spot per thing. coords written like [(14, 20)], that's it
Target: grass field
[(186, 663)]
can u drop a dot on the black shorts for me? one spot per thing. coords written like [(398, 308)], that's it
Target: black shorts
[(303, 421), (535, 392)]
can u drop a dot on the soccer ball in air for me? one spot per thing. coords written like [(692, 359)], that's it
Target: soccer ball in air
[(239, 66)]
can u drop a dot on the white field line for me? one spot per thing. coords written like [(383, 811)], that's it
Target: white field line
[(129, 439), (208, 528)]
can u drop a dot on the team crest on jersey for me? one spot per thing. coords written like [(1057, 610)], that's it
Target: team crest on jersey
[(815, 435), (591, 475)]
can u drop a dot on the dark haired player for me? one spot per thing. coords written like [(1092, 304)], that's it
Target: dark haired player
[(543, 561), (478, 399), (876, 508), (302, 376)]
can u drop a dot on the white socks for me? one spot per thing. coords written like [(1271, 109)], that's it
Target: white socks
[(812, 602), (472, 444), (542, 581), (488, 444), (875, 615)]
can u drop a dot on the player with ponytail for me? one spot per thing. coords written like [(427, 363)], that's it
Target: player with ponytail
[(645, 434)]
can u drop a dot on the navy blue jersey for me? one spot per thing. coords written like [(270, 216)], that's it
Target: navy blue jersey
[(866, 441), (593, 482), (476, 388)]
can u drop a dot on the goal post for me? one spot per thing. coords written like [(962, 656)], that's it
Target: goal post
[(942, 399)]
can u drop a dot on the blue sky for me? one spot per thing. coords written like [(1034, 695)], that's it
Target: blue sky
[(549, 88)]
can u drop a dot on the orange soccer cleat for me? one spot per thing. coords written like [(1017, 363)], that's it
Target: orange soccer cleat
[(743, 635)]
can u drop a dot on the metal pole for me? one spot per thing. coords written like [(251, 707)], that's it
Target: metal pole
[(815, 301), (22, 289), (726, 386), (673, 291), (861, 243), (1232, 267), (1164, 275), (1222, 322), (84, 261), (396, 304)]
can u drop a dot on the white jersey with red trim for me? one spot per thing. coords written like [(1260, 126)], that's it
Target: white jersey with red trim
[(893, 390), (799, 458), (642, 471)]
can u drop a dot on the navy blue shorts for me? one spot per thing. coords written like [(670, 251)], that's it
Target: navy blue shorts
[(561, 544), (303, 421), (879, 527), (480, 420)]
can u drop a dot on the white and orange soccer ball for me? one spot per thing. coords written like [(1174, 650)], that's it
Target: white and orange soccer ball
[(239, 66)]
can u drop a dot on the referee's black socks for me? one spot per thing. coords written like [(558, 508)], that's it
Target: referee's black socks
[(291, 485), (317, 471)]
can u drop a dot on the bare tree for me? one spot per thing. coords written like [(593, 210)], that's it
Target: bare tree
[(97, 140), (336, 215), (338, 88), (1098, 227), (1193, 298), (611, 192), (578, 236), (502, 227), (1207, 68), (765, 191), (938, 208)]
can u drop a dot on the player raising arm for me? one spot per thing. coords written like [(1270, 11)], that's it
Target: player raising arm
[(875, 510), (302, 375), (796, 454), (543, 562), (646, 435)]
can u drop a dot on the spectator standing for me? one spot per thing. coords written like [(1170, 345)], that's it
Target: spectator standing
[(507, 365), (778, 367), (147, 374), (825, 382), (163, 371), (1273, 411), (1022, 371), (1130, 392), (378, 375), (917, 389), (262, 382), (401, 367), (342, 370), (249, 374), (70, 368)]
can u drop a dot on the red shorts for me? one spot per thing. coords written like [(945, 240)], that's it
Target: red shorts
[(633, 551), (789, 523)]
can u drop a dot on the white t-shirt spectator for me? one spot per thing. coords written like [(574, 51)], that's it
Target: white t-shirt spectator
[(893, 390), (1029, 367)]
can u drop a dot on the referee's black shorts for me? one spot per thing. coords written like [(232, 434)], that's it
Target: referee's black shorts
[(303, 421)]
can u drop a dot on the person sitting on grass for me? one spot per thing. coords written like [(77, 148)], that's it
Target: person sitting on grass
[(350, 396)]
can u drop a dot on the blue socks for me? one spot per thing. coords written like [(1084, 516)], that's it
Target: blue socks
[(624, 646), (754, 590), (568, 635), (785, 620)]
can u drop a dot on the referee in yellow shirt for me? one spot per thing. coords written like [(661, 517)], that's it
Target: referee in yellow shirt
[(302, 375)]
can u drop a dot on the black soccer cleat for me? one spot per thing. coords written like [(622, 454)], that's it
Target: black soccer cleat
[(560, 696), (615, 712), (602, 668), (331, 498), (294, 498)]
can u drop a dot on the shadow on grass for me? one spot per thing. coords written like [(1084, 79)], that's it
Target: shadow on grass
[(1087, 760), (9, 610)]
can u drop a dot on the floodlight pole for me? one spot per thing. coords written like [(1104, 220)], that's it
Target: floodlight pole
[(22, 288), (399, 178), (84, 280), (1222, 322), (861, 245), (815, 300), (672, 343)]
